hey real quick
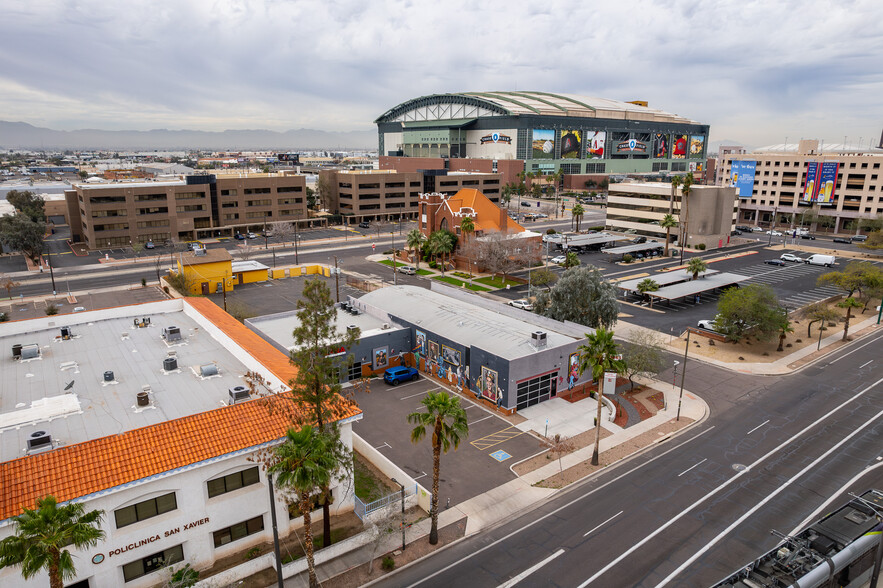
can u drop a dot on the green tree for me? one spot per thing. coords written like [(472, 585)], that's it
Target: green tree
[(750, 310), (447, 420), (441, 243), (668, 223), (643, 354), (856, 276), (305, 463), (871, 224), (598, 355), (577, 211), (583, 296), (467, 227), (571, 259), (875, 241), (817, 312), (28, 203), (849, 303), (312, 198), (415, 240), (686, 188), (506, 194), (784, 328), (695, 266), (317, 383), (541, 278), (40, 538), (556, 180), (21, 233), (675, 184), (647, 285)]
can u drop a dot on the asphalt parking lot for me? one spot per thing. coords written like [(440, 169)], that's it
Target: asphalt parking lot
[(482, 461)]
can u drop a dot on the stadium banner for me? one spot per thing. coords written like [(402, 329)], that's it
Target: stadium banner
[(595, 144), (697, 146), (543, 144), (679, 146), (827, 182), (630, 146), (742, 177), (571, 144), (811, 186), (660, 146)]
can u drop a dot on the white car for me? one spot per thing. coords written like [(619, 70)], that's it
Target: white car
[(756, 230), (407, 269), (707, 324), (790, 257), (774, 233), (559, 259), (521, 303)]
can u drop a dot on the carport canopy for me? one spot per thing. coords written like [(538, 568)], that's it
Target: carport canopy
[(693, 287), (634, 248), (667, 279)]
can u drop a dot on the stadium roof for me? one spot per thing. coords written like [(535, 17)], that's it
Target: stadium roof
[(462, 105), (823, 147)]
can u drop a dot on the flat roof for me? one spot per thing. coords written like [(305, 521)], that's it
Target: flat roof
[(662, 279), (693, 287), (633, 248), (500, 333), (279, 327), (247, 266), (580, 240)]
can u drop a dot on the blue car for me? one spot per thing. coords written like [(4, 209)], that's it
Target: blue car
[(397, 375)]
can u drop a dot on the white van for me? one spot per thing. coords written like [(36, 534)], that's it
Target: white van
[(819, 259)]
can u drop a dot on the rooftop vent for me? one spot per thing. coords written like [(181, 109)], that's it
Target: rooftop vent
[(384, 326), (143, 398), (142, 322), (171, 334), (198, 251), (108, 376), (351, 328), (170, 364), (31, 351), (539, 339), (208, 369), (38, 440), (16, 351), (238, 394), (66, 333)]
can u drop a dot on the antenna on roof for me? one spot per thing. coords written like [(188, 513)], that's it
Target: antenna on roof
[(69, 385)]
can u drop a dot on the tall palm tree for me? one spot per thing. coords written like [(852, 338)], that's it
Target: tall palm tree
[(570, 260), (848, 304), (415, 240), (441, 243), (784, 328), (685, 208), (467, 227), (41, 536), (599, 355), (577, 211), (305, 463), (447, 420), (675, 182), (668, 222), (556, 177), (695, 266), (647, 285)]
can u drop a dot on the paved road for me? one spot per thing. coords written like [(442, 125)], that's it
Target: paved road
[(691, 511)]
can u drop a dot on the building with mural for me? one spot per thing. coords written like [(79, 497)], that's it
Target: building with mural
[(539, 132)]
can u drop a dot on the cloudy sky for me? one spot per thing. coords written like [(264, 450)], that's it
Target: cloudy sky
[(756, 71)]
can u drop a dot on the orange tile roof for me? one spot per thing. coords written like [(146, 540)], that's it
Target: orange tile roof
[(487, 213), (100, 464)]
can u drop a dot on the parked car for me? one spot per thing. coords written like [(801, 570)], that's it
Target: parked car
[(407, 269), (790, 257), (542, 215), (239, 237), (756, 230), (735, 232), (774, 262), (559, 259), (820, 259), (397, 375), (149, 245), (251, 236), (842, 240), (521, 303), (745, 228), (364, 225), (528, 204), (639, 240), (858, 238), (808, 236), (774, 233), (707, 324)]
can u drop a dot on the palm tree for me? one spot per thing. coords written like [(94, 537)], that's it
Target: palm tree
[(556, 177), (675, 182), (848, 304), (41, 536), (668, 222), (647, 285), (447, 419), (600, 354), (305, 463), (415, 240), (784, 328), (695, 266), (570, 260), (441, 243), (685, 208), (506, 194), (577, 211), (467, 226)]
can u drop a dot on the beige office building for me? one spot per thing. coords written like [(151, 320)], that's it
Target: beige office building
[(641, 206), (780, 178), (194, 207)]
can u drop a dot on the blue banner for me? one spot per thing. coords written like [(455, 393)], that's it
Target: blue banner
[(827, 182), (811, 185), (743, 177)]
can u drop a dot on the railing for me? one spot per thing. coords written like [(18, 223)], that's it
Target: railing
[(362, 510)]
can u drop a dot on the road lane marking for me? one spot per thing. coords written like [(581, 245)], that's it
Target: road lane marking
[(530, 570), (853, 351), (703, 499), (559, 509), (604, 523), (695, 465), (385, 444), (757, 427), (864, 364)]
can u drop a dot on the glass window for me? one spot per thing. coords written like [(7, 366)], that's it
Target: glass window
[(153, 562), (233, 481), (238, 531), (145, 510)]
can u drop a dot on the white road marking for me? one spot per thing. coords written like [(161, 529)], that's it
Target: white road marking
[(649, 537), (530, 570), (413, 395), (604, 523), (864, 364), (482, 419), (692, 466), (853, 351), (757, 427), (420, 476), (385, 444)]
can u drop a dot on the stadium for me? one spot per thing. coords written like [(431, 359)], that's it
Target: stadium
[(548, 132)]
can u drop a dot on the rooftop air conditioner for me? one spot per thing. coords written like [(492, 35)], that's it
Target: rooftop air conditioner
[(539, 338), (171, 333), (384, 326), (38, 440), (238, 394), (31, 351)]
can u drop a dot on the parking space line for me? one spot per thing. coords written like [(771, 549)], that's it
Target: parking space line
[(490, 416), (496, 438), (418, 394)]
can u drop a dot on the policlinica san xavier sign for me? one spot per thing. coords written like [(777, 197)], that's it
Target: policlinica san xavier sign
[(99, 557)]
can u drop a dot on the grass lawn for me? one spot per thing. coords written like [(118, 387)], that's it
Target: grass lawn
[(459, 283), (389, 262), (496, 282), (423, 272), (368, 486)]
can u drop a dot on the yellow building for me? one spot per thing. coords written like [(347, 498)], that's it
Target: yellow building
[(207, 271), (248, 272)]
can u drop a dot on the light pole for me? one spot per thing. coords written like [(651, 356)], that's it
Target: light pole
[(403, 510), (674, 377), (683, 373), (395, 273), (275, 531)]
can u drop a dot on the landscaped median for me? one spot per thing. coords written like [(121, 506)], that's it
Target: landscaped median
[(398, 264), (461, 283)]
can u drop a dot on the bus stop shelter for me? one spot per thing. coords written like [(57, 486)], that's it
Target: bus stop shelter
[(667, 279), (695, 288)]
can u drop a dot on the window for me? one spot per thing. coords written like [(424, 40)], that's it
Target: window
[(191, 208), (152, 563), (282, 189), (189, 195), (265, 202), (231, 192), (145, 510), (238, 531), (232, 482), (106, 199), (536, 390), (256, 191), (150, 198)]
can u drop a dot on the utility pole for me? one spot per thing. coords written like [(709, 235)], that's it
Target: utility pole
[(683, 373), (49, 263), (395, 273), (336, 279), (296, 239), (275, 532)]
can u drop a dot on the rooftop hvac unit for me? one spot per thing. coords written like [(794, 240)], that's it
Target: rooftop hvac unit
[(38, 440), (16, 351), (171, 333), (108, 376), (31, 351), (143, 398), (238, 394), (208, 369), (170, 364), (539, 338), (66, 333), (351, 328), (384, 326)]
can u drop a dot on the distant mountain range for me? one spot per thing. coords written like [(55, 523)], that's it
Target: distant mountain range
[(19, 135)]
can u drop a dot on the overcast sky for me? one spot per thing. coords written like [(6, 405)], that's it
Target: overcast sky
[(756, 71)]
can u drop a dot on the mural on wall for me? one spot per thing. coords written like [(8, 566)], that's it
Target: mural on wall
[(433, 352), (679, 146), (572, 370), (543, 146), (381, 358), (660, 145), (488, 386), (420, 348), (595, 144), (571, 143), (451, 356)]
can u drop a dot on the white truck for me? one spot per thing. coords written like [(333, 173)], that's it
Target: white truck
[(820, 259)]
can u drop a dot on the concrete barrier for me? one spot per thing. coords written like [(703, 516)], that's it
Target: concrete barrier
[(391, 470)]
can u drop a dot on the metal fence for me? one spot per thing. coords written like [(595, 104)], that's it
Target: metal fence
[(363, 510)]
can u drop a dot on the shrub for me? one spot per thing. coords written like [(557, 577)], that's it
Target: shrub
[(433, 264), (551, 231), (51, 310), (627, 258), (701, 247), (388, 563), (388, 252), (3, 317), (143, 282), (253, 553)]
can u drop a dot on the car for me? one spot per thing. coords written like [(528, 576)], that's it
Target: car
[(528, 204), (631, 232), (745, 228), (364, 225), (521, 303), (252, 236), (639, 240), (841, 240), (756, 230), (808, 236), (774, 262), (542, 215), (707, 324), (149, 245), (239, 237), (558, 259), (397, 375), (407, 269), (858, 238), (735, 232), (790, 257), (774, 233)]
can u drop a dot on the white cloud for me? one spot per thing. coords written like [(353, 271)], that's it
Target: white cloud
[(755, 71)]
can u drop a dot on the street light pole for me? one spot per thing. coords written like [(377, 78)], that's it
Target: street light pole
[(403, 511), (336, 279), (395, 273), (683, 373), (275, 531)]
